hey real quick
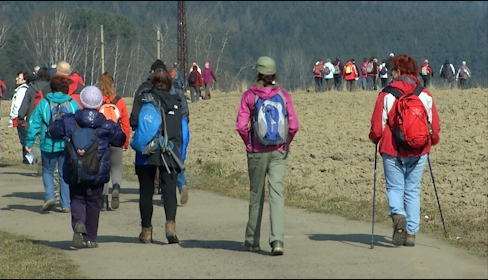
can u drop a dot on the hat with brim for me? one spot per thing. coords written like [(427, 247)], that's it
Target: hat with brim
[(265, 65)]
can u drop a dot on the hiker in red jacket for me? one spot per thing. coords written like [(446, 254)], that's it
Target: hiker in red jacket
[(426, 72), (62, 68), (403, 168)]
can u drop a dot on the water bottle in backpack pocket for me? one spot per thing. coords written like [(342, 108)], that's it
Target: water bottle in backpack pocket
[(83, 160)]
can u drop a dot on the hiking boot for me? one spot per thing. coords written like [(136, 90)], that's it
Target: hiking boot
[(48, 205), (90, 244), (79, 230), (399, 225), (410, 240), (115, 196), (184, 195), (104, 202), (146, 235), (252, 248), (171, 232), (277, 248)]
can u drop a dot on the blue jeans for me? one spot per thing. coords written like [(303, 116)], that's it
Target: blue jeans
[(364, 82), (49, 161), (403, 188), (180, 183)]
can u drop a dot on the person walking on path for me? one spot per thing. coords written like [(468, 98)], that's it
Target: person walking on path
[(318, 75), (107, 87), (403, 168), (329, 74), (426, 73), (22, 80), (146, 165), (463, 75), (447, 73), (265, 161), (52, 149), (195, 86), (338, 66), (86, 198), (208, 75)]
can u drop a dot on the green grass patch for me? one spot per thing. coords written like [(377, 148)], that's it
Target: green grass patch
[(24, 258)]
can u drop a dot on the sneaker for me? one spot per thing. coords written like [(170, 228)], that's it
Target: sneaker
[(48, 205), (277, 248), (115, 196), (65, 210), (184, 195), (251, 248), (399, 225), (78, 235)]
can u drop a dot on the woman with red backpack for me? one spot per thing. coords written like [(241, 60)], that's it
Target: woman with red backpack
[(403, 167)]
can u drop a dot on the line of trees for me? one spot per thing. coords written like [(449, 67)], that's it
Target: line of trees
[(231, 35)]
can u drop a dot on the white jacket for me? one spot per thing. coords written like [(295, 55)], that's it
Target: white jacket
[(17, 99)]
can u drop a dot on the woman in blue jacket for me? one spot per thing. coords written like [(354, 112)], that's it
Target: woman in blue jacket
[(86, 198), (51, 149)]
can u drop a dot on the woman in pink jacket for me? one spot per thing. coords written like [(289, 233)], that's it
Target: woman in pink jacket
[(207, 77), (266, 160)]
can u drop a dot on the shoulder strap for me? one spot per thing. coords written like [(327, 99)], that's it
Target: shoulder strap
[(418, 89), (115, 100)]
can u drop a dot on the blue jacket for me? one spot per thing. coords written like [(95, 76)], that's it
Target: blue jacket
[(39, 121), (109, 133)]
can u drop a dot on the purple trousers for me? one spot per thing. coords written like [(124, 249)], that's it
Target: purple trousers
[(86, 208)]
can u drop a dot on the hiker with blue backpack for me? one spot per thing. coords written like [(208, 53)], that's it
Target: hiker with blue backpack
[(274, 123), (52, 106), (86, 168), (156, 119)]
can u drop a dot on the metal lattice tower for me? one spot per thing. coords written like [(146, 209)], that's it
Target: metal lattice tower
[(182, 56)]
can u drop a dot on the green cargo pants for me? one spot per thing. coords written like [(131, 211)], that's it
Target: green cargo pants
[(273, 165)]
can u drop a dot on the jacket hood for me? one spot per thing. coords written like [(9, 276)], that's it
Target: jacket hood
[(90, 118), (265, 92), (406, 83), (58, 97), (167, 99)]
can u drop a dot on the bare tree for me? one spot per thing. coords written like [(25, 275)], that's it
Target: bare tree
[(4, 28), (52, 39)]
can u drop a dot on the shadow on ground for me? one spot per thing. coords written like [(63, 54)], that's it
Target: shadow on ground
[(353, 239)]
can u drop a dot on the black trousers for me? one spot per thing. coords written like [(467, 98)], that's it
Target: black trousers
[(145, 174)]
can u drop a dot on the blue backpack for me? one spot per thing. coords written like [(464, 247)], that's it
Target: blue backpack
[(270, 120), (57, 110), (149, 135), (83, 161)]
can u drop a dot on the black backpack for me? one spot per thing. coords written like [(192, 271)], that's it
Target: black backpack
[(446, 70), (193, 78)]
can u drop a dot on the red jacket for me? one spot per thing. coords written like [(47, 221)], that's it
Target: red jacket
[(379, 122), (74, 91), (199, 81), (319, 66), (428, 69), (351, 76)]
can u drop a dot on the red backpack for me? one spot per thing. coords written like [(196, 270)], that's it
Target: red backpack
[(410, 126)]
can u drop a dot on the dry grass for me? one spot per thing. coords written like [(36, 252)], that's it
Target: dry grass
[(23, 258)]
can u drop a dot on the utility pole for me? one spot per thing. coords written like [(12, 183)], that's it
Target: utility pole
[(158, 54), (102, 47), (182, 55)]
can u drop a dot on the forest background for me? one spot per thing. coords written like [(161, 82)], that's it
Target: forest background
[(232, 34)]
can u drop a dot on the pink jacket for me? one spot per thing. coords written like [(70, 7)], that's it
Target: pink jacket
[(244, 116)]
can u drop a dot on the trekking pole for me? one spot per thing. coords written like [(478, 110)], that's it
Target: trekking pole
[(374, 194), (438, 203)]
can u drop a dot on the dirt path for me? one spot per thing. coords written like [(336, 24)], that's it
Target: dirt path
[(211, 230)]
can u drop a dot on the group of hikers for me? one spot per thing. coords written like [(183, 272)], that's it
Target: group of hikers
[(370, 72), (84, 130)]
